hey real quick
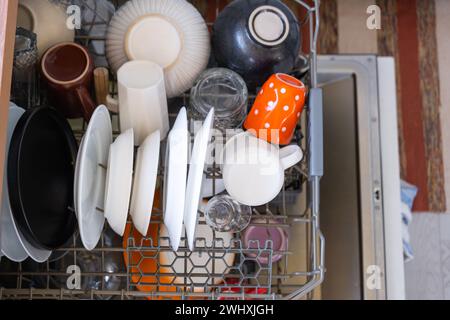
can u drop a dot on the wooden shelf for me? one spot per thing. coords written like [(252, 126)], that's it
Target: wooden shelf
[(8, 19)]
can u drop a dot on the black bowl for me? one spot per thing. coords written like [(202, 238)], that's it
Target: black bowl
[(257, 38), (40, 177)]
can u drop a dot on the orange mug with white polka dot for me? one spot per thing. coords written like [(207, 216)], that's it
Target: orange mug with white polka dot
[(277, 109)]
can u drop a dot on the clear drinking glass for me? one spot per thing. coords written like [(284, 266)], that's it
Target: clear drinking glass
[(24, 91), (224, 90), (224, 214)]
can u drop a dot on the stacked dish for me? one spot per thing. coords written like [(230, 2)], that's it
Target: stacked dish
[(104, 179)]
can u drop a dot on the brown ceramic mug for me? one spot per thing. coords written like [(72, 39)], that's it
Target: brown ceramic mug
[(68, 71)]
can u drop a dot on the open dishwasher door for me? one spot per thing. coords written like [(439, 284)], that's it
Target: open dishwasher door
[(360, 192)]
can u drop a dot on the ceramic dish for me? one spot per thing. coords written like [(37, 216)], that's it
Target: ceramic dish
[(256, 39), (90, 176), (148, 263), (47, 20), (171, 33), (119, 178), (194, 183), (142, 99), (225, 91), (36, 254), (148, 283), (11, 246), (199, 262), (96, 15), (40, 178), (145, 182), (211, 187), (175, 178), (75, 178)]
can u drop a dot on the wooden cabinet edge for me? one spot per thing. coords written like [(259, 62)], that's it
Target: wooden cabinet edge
[(8, 19)]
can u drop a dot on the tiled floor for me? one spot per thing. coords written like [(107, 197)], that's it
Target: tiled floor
[(428, 275)]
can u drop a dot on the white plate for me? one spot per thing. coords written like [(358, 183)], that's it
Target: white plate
[(119, 178), (10, 240), (90, 177), (144, 185), (175, 178), (75, 178), (195, 178), (171, 33), (199, 262)]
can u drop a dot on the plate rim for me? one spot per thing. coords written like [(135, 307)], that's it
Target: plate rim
[(6, 208), (127, 175), (195, 178), (149, 150)]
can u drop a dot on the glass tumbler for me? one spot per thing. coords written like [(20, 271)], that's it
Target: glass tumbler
[(224, 214), (24, 91), (226, 92)]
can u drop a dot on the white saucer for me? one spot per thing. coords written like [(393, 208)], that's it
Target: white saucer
[(144, 185), (194, 183), (11, 246), (90, 177), (119, 178), (175, 178), (171, 33)]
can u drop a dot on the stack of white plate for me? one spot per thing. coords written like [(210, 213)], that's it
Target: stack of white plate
[(12, 242)]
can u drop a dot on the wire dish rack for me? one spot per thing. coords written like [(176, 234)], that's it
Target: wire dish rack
[(220, 267)]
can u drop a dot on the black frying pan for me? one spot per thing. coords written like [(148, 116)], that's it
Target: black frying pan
[(40, 177)]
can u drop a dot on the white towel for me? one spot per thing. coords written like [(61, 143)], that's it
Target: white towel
[(408, 194)]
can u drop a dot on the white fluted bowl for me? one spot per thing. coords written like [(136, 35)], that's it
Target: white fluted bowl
[(171, 33)]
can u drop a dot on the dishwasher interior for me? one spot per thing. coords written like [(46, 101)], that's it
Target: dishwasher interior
[(103, 273)]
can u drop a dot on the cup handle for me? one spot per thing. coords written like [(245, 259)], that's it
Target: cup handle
[(290, 156), (112, 104), (86, 101)]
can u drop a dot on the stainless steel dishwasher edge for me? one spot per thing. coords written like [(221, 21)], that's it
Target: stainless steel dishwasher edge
[(360, 192)]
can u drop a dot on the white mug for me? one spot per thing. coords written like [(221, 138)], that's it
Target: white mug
[(142, 99), (253, 169)]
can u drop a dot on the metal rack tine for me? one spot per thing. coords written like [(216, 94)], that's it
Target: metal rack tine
[(103, 166)]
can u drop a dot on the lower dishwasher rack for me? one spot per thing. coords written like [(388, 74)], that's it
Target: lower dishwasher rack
[(73, 272)]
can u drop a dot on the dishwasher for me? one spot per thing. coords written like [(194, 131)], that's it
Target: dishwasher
[(103, 274)]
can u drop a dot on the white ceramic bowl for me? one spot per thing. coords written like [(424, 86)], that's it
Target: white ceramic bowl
[(171, 33)]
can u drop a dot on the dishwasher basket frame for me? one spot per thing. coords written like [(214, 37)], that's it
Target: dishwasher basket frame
[(262, 283)]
